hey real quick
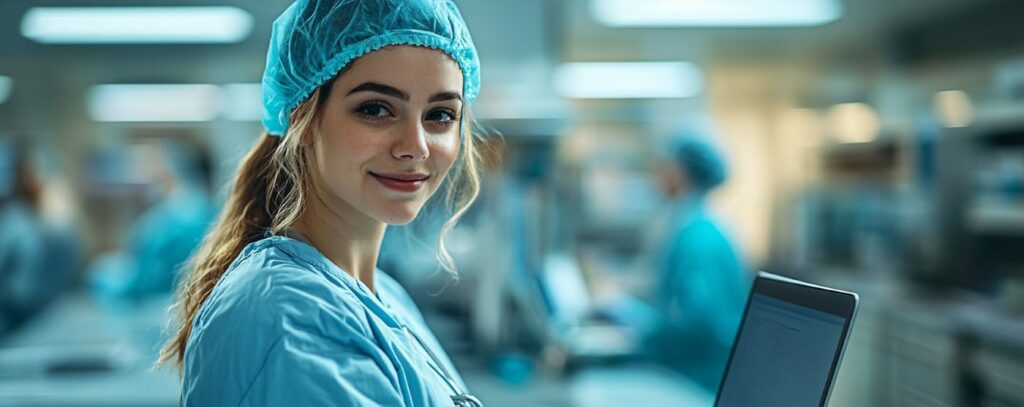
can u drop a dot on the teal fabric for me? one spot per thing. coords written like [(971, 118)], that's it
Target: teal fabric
[(23, 258), (165, 236), (286, 327), (701, 288), (157, 247), (314, 40)]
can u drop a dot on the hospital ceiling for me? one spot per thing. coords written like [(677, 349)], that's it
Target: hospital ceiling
[(518, 41), (863, 21)]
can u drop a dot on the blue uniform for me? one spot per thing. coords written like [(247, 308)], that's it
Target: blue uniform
[(164, 237), (23, 258), (286, 327), (699, 296), (158, 246)]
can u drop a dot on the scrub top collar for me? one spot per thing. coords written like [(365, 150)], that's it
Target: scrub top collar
[(687, 206), (298, 246)]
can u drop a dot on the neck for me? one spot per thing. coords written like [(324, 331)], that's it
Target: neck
[(348, 238)]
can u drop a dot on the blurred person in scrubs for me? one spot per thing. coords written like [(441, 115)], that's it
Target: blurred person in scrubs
[(700, 282), (37, 256), (163, 237), (366, 116)]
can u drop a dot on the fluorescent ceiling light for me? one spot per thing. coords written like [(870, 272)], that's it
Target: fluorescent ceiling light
[(243, 102), (5, 88), (91, 25), (154, 103), (628, 80), (712, 13)]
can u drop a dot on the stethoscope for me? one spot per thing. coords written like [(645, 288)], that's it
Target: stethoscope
[(460, 398)]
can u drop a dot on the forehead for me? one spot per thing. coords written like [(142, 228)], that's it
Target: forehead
[(409, 67)]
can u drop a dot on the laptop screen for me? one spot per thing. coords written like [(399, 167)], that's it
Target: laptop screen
[(783, 356)]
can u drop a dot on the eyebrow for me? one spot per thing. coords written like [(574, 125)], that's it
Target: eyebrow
[(400, 94), (443, 96)]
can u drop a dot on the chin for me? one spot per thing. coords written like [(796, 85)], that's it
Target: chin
[(399, 217)]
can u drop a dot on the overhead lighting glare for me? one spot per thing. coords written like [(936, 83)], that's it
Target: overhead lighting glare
[(138, 25), (715, 13), (853, 123), (5, 88), (954, 108), (154, 103), (628, 80)]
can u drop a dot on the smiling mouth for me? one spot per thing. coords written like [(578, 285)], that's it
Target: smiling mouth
[(402, 182)]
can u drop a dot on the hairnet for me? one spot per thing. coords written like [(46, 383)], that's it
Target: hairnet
[(315, 39), (701, 161)]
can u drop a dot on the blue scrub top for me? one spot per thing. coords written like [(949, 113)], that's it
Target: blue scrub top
[(700, 292), (286, 327), (164, 237)]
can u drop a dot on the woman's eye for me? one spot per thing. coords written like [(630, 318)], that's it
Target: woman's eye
[(373, 111), (443, 116)]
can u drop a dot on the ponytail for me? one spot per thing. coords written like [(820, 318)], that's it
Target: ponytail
[(267, 197)]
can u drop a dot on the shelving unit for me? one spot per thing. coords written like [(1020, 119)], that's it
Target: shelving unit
[(993, 218), (981, 204), (913, 349)]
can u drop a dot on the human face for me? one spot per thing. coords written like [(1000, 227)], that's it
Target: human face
[(671, 179), (388, 133)]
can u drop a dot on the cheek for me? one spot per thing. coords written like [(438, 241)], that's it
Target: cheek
[(345, 147), (446, 151)]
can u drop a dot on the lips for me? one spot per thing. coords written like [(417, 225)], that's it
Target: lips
[(404, 182)]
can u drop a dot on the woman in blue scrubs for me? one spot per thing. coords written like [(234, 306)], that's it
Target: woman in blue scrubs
[(701, 282), (366, 112)]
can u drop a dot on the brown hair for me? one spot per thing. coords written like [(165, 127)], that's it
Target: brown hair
[(25, 182), (269, 195)]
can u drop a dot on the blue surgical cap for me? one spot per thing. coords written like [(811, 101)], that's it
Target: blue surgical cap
[(703, 164), (314, 40)]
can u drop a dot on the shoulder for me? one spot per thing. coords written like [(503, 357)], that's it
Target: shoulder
[(271, 282), (17, 216), (703, 229), (270, 291), (391, 287), (395, 295), (704, 237), (270, 300)]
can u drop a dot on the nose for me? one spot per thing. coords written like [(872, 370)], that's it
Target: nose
[(411, 144)]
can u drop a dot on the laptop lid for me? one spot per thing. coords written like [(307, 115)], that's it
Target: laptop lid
[(789, 345)]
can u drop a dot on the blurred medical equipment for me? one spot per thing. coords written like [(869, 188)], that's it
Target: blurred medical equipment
[(573, 318)]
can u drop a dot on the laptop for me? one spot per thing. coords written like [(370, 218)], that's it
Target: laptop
[(789, 345)]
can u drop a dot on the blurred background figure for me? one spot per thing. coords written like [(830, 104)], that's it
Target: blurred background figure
[(166, 233), (873, 146), (700, 283), (38, 255)]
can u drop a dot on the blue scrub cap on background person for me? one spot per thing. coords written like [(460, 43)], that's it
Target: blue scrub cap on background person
[(703, 163), (314, 40)]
